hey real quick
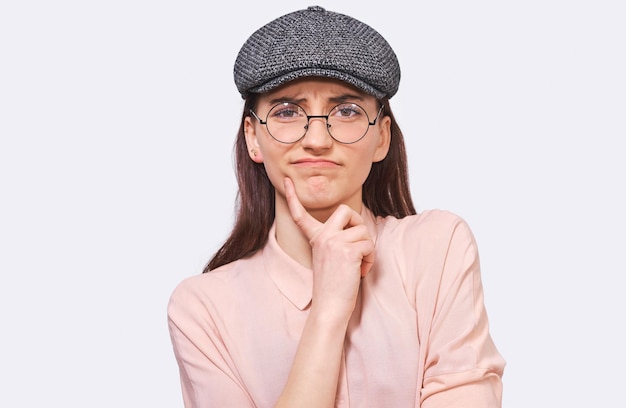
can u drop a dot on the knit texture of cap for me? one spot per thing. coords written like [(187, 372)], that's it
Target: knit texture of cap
[(317, 42)]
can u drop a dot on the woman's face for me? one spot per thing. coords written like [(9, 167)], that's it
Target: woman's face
[(325, 172)]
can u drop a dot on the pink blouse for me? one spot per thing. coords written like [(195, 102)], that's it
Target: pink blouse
[(418, 337)]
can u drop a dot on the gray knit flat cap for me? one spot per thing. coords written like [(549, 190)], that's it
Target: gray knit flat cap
[(317, 42)]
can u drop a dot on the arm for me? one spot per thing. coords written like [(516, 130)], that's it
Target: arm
[(208, 377), (462, 365), (314, 374), (342, 252)]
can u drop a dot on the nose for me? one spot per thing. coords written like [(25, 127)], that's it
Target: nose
[(317, 136)]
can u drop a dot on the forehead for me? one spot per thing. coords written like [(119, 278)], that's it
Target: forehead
[(315, 89)]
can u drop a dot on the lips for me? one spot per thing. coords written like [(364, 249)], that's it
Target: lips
[(315, 162)]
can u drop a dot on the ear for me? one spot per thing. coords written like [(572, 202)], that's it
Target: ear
[(384, 139), (254, 149)]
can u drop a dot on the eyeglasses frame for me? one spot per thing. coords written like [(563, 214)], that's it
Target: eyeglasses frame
[(325, 117)]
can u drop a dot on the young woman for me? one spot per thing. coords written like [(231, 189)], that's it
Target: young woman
[(331, 290)]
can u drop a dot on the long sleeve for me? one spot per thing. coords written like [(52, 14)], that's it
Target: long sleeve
[(418, 336), (208, 376), (462, 367)]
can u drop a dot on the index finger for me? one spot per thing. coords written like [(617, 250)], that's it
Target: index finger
[(305, 221)]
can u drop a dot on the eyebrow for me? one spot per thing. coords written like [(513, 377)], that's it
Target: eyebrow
[(335, 99)]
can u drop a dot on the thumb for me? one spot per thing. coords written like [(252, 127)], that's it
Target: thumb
[(366, 264)]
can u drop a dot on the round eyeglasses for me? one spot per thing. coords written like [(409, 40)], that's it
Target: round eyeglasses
[(346, 123)]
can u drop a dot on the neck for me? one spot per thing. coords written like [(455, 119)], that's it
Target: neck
[(290, 237)]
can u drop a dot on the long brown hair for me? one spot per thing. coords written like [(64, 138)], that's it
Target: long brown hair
[(385, 192)]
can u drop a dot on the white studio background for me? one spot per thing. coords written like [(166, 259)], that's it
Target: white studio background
[(117, 120)]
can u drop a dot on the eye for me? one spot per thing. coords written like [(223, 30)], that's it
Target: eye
[(285, 112), (347, 111)]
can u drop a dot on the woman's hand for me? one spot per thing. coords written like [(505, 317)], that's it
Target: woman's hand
[(342, 253)]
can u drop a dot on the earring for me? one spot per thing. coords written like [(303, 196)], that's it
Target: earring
[(253, 152)]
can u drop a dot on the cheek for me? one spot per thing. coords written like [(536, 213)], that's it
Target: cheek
[(274, 172), (367, 157), (363, 170), (370, 152)]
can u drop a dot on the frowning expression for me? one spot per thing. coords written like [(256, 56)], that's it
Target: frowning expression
[(326, 172)]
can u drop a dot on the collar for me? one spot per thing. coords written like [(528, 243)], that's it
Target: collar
[(292, 279)]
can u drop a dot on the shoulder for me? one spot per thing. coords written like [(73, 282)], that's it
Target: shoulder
[(208, 291), (430, 225), (429, 251), (425, 241), (193, 291)]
